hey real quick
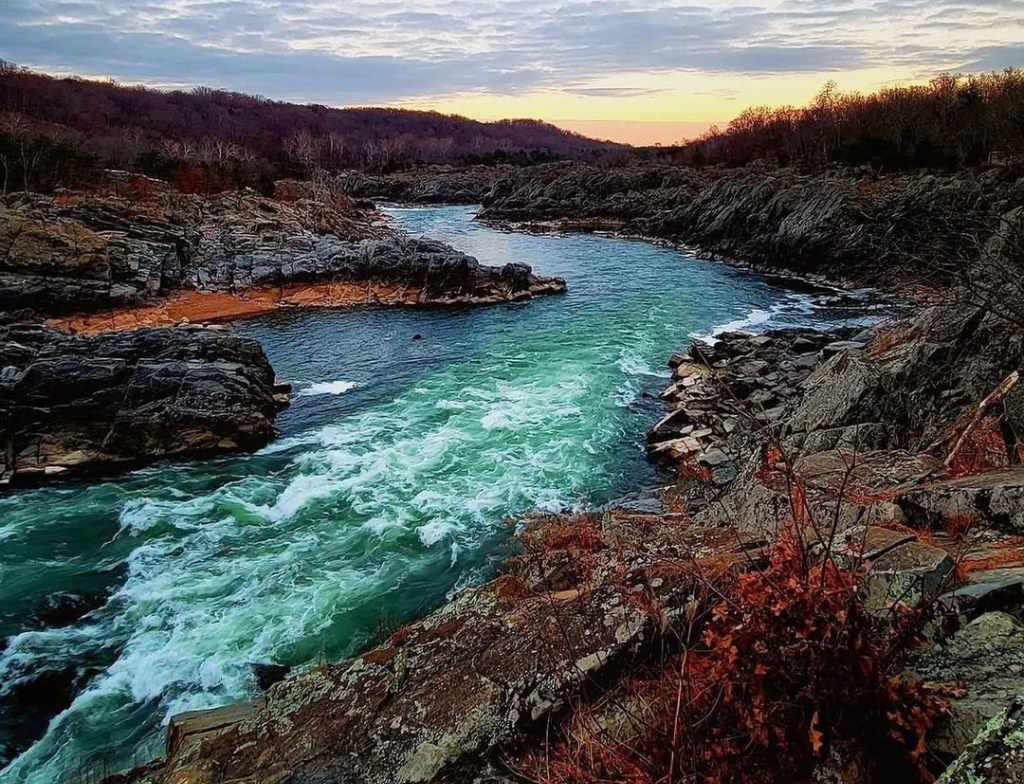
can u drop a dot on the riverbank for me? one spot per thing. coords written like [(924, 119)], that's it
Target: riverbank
[(82, 254), (210, 307), (459, 743), (390, 476)]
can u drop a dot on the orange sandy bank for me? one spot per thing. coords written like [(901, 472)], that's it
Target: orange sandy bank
[(195, 307)]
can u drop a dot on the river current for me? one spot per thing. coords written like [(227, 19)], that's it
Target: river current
[(390, 487)]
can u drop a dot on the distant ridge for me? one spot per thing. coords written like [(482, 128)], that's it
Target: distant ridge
[(110, 118)]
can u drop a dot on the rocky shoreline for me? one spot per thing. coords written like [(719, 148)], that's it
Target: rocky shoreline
[(429, 185), (90, 254), (894, 434), (853, 226), (91, 265), (906, 437)]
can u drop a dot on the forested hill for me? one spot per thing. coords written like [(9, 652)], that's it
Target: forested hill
[(119, 122)]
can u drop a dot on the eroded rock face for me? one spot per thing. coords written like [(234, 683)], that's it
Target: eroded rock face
[(428, 185), (837, 224), (100, 253), (72, 405)]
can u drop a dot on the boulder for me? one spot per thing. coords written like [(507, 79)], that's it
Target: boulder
[(995, 496), (996, 755), (910, 573), (71, 405)]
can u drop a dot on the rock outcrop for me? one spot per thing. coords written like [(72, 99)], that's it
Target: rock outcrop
[(100, 253), (71, 405), (842, 225), (443, 696)]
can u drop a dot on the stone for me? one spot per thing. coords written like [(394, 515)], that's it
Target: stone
[(910, 573), (838, 393), (841, 346), (985, 593), (713, 457), (987, 656), (996, 755), (459, 683), (187, 730), (996, 497), (869, 543)]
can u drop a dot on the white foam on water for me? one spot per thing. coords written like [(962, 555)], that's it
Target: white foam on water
[(262, 565), (756, 317), (328, 388)]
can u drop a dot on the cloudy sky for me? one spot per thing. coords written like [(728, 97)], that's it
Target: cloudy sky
[(626, 69)]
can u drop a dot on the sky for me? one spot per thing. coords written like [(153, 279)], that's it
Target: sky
[(633, 71)]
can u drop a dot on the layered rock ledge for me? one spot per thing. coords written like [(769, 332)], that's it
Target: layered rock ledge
[(81, 255), (72, 405), (843, 225), (426, 185)]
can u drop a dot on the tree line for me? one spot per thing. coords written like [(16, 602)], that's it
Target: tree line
[(954, 120)]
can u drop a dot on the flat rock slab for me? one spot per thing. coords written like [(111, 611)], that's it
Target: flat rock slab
[(187, 729), (909, 573), (996, 497), (871, 543), (864, 475)]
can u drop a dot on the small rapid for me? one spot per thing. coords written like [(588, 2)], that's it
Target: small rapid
[(399, 463)]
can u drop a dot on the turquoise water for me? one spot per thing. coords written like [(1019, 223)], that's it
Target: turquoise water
[(398, 465)]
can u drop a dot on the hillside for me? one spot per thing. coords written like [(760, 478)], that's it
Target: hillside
[(104, 123)]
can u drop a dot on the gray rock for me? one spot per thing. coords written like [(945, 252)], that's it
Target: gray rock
[(910, 573), (996, 497), (987, 656), (996, 755), (81, 405)]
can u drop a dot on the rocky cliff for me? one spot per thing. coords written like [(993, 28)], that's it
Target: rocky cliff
[(72, 405), (427, 185), (843, 225)]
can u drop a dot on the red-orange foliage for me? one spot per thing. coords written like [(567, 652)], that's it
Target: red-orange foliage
[(983, 449), (691, 469), (556, 533), (788, 667), (198, 179), (400, 636)]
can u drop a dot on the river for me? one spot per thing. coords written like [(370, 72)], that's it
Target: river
[(399, 463)]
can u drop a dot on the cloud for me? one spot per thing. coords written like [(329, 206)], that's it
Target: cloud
[(992, 58), (613, 92), (375, 51)]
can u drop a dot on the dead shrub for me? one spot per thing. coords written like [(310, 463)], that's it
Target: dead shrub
[(784, 666)]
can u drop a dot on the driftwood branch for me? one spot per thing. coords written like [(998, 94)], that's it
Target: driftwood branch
[(995, 397)]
